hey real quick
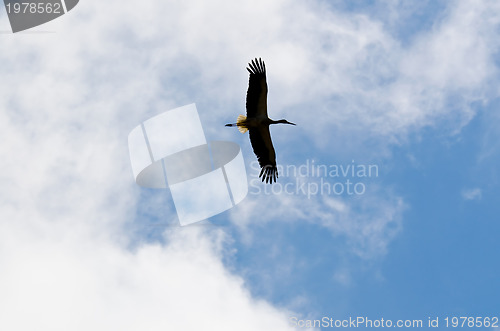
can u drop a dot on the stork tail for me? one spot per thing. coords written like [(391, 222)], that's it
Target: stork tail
[(240, 122)]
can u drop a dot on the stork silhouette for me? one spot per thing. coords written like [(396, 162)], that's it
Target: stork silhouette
[(257, 122)]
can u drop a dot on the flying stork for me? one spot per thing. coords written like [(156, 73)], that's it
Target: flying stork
[(257, 121)]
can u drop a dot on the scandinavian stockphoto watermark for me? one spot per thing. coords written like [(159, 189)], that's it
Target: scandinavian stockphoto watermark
[(430, 322), (26, 14), (312, 178), (170, 150)]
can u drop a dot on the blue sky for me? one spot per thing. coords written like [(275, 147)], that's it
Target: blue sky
[(411, 87)]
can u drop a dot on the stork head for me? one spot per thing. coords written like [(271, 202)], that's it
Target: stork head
[(284, 121)]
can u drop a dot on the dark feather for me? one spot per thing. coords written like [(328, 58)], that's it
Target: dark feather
[(262, 145), (257, 89)]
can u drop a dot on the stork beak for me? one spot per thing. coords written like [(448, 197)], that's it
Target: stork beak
[(291, 123)]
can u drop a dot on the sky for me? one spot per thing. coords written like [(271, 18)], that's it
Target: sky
[(408, 89)]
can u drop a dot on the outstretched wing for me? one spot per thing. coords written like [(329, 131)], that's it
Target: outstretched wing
[(257, 89), (262, 145)]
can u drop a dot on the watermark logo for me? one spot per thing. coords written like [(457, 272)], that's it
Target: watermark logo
[(25, 14), (170, 150), (311, 179)]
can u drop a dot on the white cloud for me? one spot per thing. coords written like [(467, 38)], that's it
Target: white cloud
[(363, 82), (343, 276), (68, 280), (68, 101), (367, 222), (472, 194)]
